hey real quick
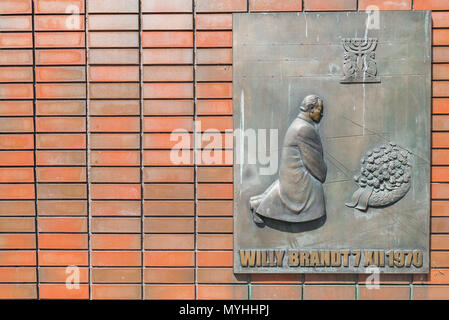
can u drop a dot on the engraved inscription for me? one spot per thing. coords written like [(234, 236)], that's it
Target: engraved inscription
[(359, 64)]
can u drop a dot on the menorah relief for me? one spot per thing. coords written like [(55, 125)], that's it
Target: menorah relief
[(359, 60)]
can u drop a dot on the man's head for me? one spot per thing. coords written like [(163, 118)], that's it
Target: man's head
[(312, 106)]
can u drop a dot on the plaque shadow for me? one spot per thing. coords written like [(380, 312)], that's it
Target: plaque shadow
[(291, 227)]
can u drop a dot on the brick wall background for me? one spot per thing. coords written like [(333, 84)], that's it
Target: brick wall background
[(85, 174)]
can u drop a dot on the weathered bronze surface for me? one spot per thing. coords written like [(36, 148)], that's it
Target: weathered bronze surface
[(351, 191)]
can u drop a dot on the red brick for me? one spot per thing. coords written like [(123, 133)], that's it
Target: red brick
[(58, 274), (168, 73), (16, 125), (214, 21), (214, 258), (60, 91), (166, 6), (116, 225), (168, 225), (168, 90), (167, 22), (61, 191), (214, 73), (115, 175), (60, 56), (435, 276), (114, 74), (214, 107), (214, 56), (61, 291), (113, 56), (61, 141), (59, 23), (320, 292), (60, 124), (219, 275), (169, 241), (16, 108), (66, 241), (275, 5), (114, 90), (440, 37), (168, 191), (329, 5), (111, 107), (214, 241), (215, 191), (222, 292), (16, 158), (96, 6), (117, 191), (16, 141), (59, 39), (116, 258), (439, 242), (115, 158), (168, 124), (60, 208), (165, 141), (221, 5), (440, 191), (17, 258), (214, 39), (384, 293), (62, 224), (16, 57), (18, 291), (121, 22), (115, 208), (440, 174), (168, 208), (166, 292), (115, 141), (430, 5), (15, 6), (219, 225), (440, 208), (167, 56), (68, 158), (439, 140), (115, 241), (175, 174), (113, 39), (16, 175), (116, 291), (17, 224), (16, 40), (17, 274), (441, 71), (169, 258), (15, 23), (169, 275), (19, 208), (116, 275), (385, 4), (276, 292), (16, 74), (60, 74), (164, 158), (439, 259), (440, 105), (214, 90), (16, 91), (440, 225), (215, 208), (441, 54), (16, 191), (115, 124), (431, 292), (440, 122), (216, 123), (276, 278), (17, 241), (59, 6), (167, 39), (63, 258), (67, 108), (440, 19)]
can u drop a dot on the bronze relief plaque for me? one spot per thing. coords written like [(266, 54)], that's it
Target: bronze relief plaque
[(332, 132)]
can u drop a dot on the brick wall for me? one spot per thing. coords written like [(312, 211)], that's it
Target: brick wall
[(85, 174)]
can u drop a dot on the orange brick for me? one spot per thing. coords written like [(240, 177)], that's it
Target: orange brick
[(168, 191), (385, 293), (275, 5), (169, 275), (440, 208), (167, 6), (17, 241), (215, 174), (431, 292), (440, 37), (219, 275), (61, 191), (214, 258), (113, 39), (169, 258), (169, 225), (214, 107), (168, 90), (15, 6), (16, 74), (320, 292), (116, 258), (218, 225), (17, 225), (214, 56), (121, 22), (439, 242), (214, 241), (115, 158), (214, 90), (58, 274), (60, 91), (114, 90), (61, 291), (215, 191), (440, 122), (19, 208), (430, 5), (16, 40), (329, 5), (168, 124), (214, 39), (116, 291), (17, 274), (61, 174), (16, 57), (214, 73), (439, 259), (177, 292), (60, 74), (62, 224), (385, 4), (222, 292), (60, 208), (68, 158), (175, 174), (168, 73), (435, 276), (16, 91), (440, 174), (109, 108), (67, 108), (63, 241), (115, 124), (115, 208), (115, 174), (58, 23), (60, 40), (441, 71), (16, 108), (167, 39), (117, 191), (440, 225), (113, 6), (216, 123), (214, 22), (18, 258), (441, 105), (60, 124), (276, 292), (61, 141), (215, 208), (116, 275), (16, 175), (115, 141), (113, 56), (439, 140), (167, 56), (169, 241), (114, 74), (167, 22), (16, 158), (168, 141), (168, 208), (59, 6), (16, 191), (16, 125), (115, 241), (221, 5), (441, 54), (60, 56), (276, 278), (440, 191), (116, 225), (18, 291), (440, 19)]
